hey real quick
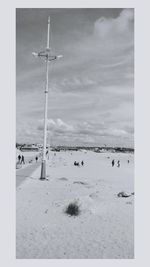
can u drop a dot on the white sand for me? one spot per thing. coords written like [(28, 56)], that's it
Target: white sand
[(105, 226)]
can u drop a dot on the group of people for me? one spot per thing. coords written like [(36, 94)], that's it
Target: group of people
[(118, 163), (78, 164), (21, 159), (113, 163)]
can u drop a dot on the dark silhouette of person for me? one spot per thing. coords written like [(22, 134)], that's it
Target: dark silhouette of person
[(118, 163), (82, 162), (36, 158), (76, 163), (128, 161), (22, 160), (113, 163), (19, 158)]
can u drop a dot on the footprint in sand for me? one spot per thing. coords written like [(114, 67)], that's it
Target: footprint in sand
[(94, 195), (63, 179), (129, 203), (79, 182)]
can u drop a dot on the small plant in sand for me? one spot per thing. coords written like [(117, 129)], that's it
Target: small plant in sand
[(73, 209)]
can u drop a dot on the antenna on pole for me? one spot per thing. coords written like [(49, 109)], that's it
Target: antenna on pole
[(47, 56), (48, 33)]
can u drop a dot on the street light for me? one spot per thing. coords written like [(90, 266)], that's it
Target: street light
[(47, 56)]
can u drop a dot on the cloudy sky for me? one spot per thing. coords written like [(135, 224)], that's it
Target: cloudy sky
[(91, 89)]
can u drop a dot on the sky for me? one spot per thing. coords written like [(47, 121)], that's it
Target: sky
[(91, 89)]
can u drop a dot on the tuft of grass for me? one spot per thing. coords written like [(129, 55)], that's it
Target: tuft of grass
[(73, 209)]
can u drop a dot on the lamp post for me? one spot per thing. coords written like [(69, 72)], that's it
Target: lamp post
[(47, 56)]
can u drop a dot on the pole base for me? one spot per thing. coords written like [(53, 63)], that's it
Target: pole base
[(43, 170)]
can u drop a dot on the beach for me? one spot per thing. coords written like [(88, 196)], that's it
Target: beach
[(104, 228)]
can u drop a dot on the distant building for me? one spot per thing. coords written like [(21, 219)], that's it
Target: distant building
[(29, 148)]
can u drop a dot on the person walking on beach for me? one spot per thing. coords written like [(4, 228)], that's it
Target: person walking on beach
[(36, 158), (47, 154), (82, 162), (22, 160), (118, 163), (19, 158), (113, 163)]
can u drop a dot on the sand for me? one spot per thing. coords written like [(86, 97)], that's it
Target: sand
[(104, 229)]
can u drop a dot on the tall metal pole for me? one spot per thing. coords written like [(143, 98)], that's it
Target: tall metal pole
[(43, 166), (47, 56)]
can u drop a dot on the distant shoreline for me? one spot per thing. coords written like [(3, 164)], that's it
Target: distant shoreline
[(97, 149)]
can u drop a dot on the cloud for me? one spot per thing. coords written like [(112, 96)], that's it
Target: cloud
[(102, 58), (81, 132), (56, 126), (115, 27)]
